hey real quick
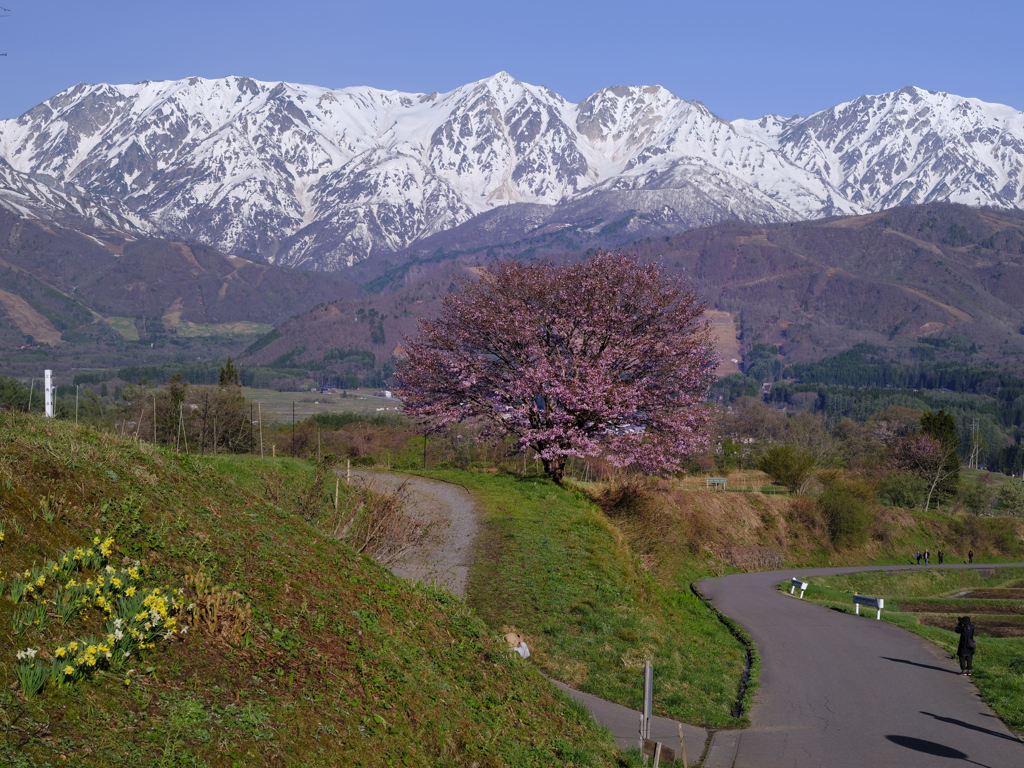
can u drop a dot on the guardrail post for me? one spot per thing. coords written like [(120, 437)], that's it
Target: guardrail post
[(797, 583), (872, 602)]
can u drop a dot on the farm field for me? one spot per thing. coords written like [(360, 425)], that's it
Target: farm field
[(277, 406)]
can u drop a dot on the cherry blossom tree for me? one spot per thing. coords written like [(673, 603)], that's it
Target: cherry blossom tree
[(605, 358)]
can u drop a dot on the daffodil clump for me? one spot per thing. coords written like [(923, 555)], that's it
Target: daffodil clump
[(135, 616)]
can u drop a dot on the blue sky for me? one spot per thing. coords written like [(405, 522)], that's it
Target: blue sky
[(741, 58)]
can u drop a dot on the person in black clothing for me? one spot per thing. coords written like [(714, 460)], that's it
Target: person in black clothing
[(965, 648), (970, 556)]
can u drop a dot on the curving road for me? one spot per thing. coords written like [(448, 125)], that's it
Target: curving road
[(848, 692)]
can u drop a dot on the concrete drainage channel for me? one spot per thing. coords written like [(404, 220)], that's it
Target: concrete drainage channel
[(722, 746)]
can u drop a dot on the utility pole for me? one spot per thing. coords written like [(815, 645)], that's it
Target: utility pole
[(975, 444)]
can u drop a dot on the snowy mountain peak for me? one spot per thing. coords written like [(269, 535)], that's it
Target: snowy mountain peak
[(324, 177)]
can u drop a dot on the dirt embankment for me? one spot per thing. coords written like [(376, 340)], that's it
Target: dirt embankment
[(673, 528), (27, 320)]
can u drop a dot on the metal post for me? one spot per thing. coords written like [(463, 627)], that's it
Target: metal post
[(31, 389), (250, 429), (293, 428), (259, 411), (424, 451), (77, 387), (648, 697), (206, 412)]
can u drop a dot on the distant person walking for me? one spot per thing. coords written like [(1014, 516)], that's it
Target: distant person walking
[(918, 556), (966, 647), (940, 553), (926, 555), (970, 556)]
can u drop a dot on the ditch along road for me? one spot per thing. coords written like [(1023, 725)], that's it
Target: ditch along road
[(848, 691), (835, 690)]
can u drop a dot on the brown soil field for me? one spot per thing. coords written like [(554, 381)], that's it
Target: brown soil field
[(995, 594), (723, 332), (983, 625), (960, 609)]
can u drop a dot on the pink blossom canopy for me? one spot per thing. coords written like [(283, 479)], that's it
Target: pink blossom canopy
[(603, 358)]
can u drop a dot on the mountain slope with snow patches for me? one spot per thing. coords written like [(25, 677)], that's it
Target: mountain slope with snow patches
[(321, 178)]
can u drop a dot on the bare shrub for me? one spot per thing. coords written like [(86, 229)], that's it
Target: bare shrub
[(384, 526), (627, 496), (754, 558), (312, 497)]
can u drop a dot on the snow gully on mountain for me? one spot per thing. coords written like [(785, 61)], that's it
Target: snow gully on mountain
[(322, 178)]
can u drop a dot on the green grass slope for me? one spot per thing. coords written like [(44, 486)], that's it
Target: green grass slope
[(297, 652), (552, 565)]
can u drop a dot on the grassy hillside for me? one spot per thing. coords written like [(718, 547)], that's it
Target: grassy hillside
[(283, 647), (550, 564)]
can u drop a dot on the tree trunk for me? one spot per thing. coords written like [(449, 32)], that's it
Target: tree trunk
[(555, 468)]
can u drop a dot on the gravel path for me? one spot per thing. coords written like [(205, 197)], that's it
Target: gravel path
[(446, 561), (844, 691)]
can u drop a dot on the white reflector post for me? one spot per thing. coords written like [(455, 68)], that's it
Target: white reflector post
[(48, 389)]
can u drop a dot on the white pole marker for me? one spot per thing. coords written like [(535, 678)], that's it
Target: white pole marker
[(48, 389)]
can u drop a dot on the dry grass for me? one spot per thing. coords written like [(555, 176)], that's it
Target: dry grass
[(748, 480), (383, 525), (668, 522)]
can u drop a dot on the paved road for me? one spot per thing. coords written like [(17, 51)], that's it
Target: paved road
[(624, 724), (849, 692)]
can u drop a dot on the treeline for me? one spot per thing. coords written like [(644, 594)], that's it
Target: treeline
[(341, 369), (864, 366), (986, 401)]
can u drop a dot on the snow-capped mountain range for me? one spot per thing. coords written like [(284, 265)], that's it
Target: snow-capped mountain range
[(322, 178)]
